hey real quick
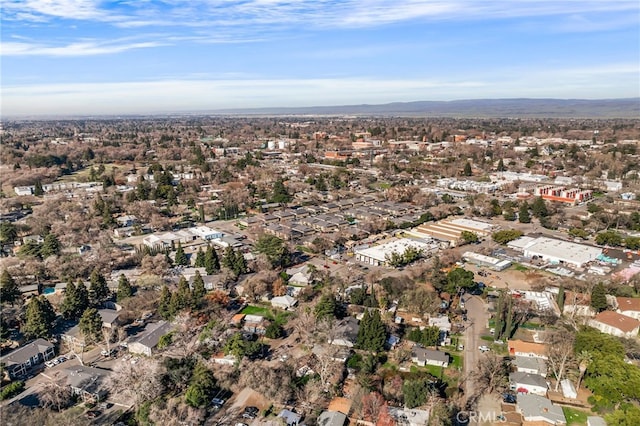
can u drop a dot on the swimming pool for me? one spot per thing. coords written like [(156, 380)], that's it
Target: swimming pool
[(49, 290)]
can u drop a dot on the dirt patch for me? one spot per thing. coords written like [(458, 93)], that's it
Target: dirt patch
[(250, 398)]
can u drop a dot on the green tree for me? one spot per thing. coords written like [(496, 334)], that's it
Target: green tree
[(9, 290), (579, 233), (239, 263), (98, 290), (599, 298), (198, 289), (274, 331), (50, 246), (459, 278), (91, 325), (506, 235), (38, 191), (560, 298), (280, 194), (8, 233), (469, 237), (539, 208), (501, 167), (211, 261), (164, 304), (180, 257), (183, 297), (626, 415), (508, 213), (632, 243), (274, 248), (201, 388), (200, 259), (39, 318), (124, 288), (326, 307), (416, 391), (372, 333), (523, 213), (467, 169), (609, 238)]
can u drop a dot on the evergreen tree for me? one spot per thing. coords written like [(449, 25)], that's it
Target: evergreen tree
[(274, 248), (239, 263), (467, 169), (182, 298), (523, 215), (200, 259), (508, 213), (599, 298), (9, 290), (124, 288), (8, 233), (91, 325), (81, 299), (211, 261), (198, 289), (68, 306), (561, 297), (50, 246), (180, 257), (98, 290), (38, 191), (280, 193), (164, 304), (372, 333), (229, 258), (39, 318), (201, 388), (326, 307), (539, 208), (501, 167)]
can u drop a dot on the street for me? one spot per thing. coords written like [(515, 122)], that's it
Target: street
[(478, 317)]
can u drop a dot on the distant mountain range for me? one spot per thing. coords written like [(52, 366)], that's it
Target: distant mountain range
[(490, 108)]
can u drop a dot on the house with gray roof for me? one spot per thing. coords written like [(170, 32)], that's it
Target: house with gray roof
[(525, 364), (149, 338), (536, 408), (25, 357), (528, 383), (422, 357), (331, 418), (290, 418), (346, 332), (86, 382)]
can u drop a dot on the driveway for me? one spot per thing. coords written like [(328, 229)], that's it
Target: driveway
[(478, 317)]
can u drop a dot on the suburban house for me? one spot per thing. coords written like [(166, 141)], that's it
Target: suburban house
[(531, 365), (528, 383), (527, 349), (331, 418), (109, 318), (538, 410), (346, 332), (87, 382), (18, 362), (629, 306), (300, 276), (422, 357), (255, 324), (283, 302), (616, 324), (149, 338), (290, 418)]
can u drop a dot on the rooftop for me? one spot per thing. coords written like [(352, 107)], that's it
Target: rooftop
[(628, 303), (26, 352), (616, 320)]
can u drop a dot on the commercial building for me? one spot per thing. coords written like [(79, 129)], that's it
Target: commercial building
[(379, 255), (556, 251), (486, 261), (450, 230), (562, 194)]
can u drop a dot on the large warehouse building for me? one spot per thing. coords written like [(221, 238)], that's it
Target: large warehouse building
[(378, 255), (450, 230), (556, 251)]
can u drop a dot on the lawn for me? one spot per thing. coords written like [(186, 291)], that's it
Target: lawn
[(456, 361), (575, 417), (255, 310), (519, 267)]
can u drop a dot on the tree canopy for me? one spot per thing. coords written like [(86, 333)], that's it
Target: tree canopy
[(39, 318), (372, 333), (9, 290), (91, 325), (274, 248)]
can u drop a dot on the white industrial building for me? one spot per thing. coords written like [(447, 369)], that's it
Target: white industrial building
[(556, 251), (450, 230), (486, 261), (378, 255)]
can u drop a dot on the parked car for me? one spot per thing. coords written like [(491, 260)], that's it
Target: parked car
[(92, 414), (484, 348), (49, 363), (509, 398), (250, 412)]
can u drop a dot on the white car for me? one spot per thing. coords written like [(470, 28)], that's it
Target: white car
[(484, 348)]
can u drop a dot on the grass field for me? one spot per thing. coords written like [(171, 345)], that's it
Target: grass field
[(575, 417), (255, 310)]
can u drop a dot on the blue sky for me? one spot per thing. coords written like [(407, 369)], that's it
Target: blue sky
[(143, 56)]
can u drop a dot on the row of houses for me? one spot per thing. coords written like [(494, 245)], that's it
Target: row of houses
[(622, 321)]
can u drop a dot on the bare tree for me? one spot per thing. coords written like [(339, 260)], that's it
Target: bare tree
[(137, 382), (490, 374), (559, 353), (326, 366), (55, 397)]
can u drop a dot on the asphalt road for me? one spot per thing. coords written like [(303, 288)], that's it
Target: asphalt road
[(478, 317)]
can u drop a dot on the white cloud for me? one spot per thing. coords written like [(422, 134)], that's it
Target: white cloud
[(81, 48)]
